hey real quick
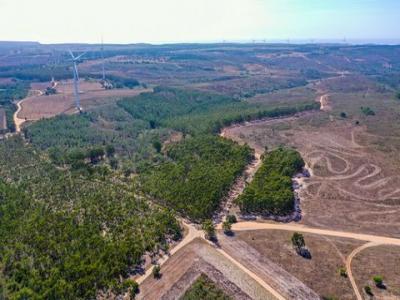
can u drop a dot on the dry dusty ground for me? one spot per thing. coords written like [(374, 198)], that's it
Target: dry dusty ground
[(381, 260), (353, 186), (37, 107), (319, 273), (183, 268)]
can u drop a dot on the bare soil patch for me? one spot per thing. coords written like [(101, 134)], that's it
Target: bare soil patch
[(380, 260), (92, 94), (320, 273), (183, 268), (354, 186)]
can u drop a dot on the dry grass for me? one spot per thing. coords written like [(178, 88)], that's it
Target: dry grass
[(384, 261), (320, 273), (183, 268), (355, 186), (92, 94)]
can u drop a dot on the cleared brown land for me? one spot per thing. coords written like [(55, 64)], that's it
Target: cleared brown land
[(354, 187), (320, 273), (381, 260), (355, 182), (183, 268), (280, 279), (92, 94)]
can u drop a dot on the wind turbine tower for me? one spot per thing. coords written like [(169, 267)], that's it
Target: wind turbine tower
[(102, 60), (75, 59)]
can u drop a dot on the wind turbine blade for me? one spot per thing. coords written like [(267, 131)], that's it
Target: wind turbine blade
[(72, 55), (79, 56)]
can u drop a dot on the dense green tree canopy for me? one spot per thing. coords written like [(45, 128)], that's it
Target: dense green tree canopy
[(271, 189)]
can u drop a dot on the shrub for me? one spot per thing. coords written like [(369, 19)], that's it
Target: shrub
[(209, 229), (110, 150), (368, 290), (367, 111), (329, 298), (378, 281), (95, 154), (343, 115), (227, 227), (398, 95), (298, 241), (157, 146), (156, 271), (231, 219), (131, 286), (343, 272)]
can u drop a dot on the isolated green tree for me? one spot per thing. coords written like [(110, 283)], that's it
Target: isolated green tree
[(227, 227), (368, 290), (156, 271), (209, 229), (343, 272), (95, 154), (231, 219), (298, 241), (378, 281)]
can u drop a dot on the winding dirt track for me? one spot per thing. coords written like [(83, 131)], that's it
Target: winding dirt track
[(348, 266), (17, 121)]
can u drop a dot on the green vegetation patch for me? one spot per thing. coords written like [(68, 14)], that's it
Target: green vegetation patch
[(66, 136), (8, 94), (65, 132), (197, 174), (166, 103), (204, 288), (367, 111), (271, 190), (67, 236), (199, 112)]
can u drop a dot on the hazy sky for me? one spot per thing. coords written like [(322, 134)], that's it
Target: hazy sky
[(126, 21)]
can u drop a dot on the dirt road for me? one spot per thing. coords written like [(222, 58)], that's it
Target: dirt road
[(192, 234), (17, 121), (302, 228), (348, 266)]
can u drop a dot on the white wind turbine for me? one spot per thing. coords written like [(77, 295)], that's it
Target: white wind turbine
[(75, 60)]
